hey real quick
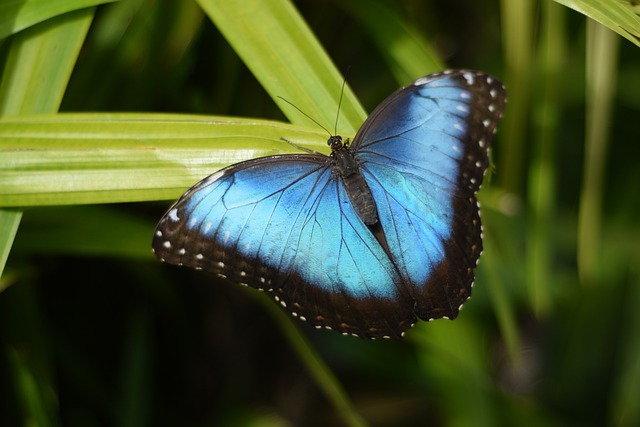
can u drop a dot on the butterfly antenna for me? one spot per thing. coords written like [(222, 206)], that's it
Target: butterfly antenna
[(306, 115), (335, 126)]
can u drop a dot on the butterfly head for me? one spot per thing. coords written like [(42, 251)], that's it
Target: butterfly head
[(336, 143)]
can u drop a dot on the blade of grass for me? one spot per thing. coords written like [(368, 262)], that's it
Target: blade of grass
[(9, 223), (542, 179), (602, 55), (518, 26), (616, 15), (16, 16), (500, 299), (40, 62)]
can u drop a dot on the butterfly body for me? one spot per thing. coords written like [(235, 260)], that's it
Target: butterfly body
[(345, 165), (365, 241)]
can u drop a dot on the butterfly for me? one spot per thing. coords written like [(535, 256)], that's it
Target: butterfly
[(383, 232)]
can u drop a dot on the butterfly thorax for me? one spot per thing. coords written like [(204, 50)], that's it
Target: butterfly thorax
[(345, 166)]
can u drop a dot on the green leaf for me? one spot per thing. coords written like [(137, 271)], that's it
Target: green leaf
[(16, 15), (108, 158), (617, 15)]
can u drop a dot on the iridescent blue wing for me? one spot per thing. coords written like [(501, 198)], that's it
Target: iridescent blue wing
[(423, 152), (284, 224)]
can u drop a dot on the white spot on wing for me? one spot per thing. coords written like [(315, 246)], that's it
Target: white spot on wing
[(173, 215)]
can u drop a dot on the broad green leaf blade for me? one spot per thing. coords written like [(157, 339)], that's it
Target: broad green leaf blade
[(34, 78), (40, 63), (105, 158), (16, 15), (275, 43), (616, 15)]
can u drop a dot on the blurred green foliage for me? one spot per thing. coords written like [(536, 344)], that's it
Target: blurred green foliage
[(95, 332)]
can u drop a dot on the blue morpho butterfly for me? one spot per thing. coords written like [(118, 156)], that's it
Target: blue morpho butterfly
[(365, 241)]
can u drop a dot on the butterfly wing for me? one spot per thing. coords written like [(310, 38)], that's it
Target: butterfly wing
[(284, 224), (423, 152)]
